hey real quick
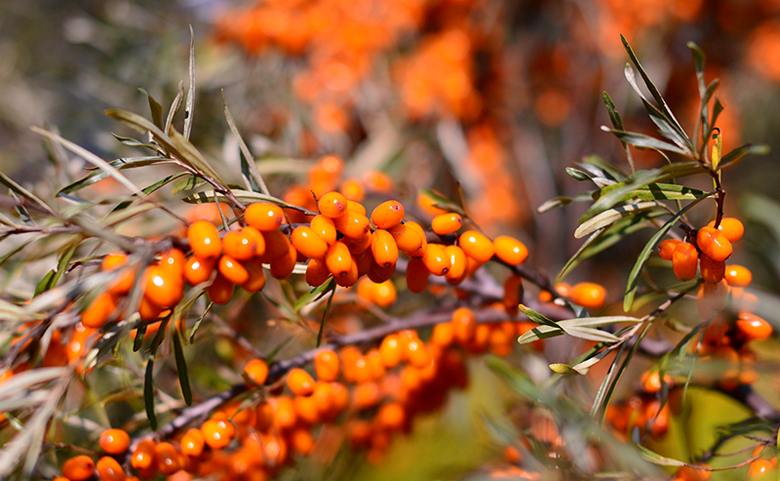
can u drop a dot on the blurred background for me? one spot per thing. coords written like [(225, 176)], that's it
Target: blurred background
[(485, 99)]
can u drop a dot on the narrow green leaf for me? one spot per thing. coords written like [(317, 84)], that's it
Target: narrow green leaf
[(516, 380), (45, 284), (645, 141), (315, 294), (656, 458), (189, 109), (97, 175), (181, 369), (442, 202), (115, 214), (538, 318), (175, 107), (325, 315), (613, 171), (248, 165), (614, 116), (553, 203), (149, 394), (191, 155), (140, 333), (245, 196), (200, 319), (34, 199), (633, 277), (611, 216), (188, 183), (737, 154), (577, 174), (133, 142), (155, 109)]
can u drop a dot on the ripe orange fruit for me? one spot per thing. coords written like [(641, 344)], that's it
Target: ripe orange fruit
[(384, 248), (316, 273), (666, 248), (79, 468), (416, 276), (204, 239), (338, 259), (513, 294), (510, 250), (685, 260), (352, 224), (109, 469), (114, 441), (257, 371), (244, 244), (264, 217), (144, 459), (217, 433), (443, 334), (356, 206), (358, 245), (465, 325), (449, 223), (124, 282), (332, 205), (300, 382), (232, 270), (588, 295), (459, 263), (751, 327), (162, 287), (324, 228), (282, 267), (419, 253), (711, 271), (738, 276), (308, 243), (391, 351), (192, 443), (436, 260), (256, 279), (694, 474), (713, 243), (476, 246), (168, 461), (198, 271), (408, 239), (353, 190), (99, 310), (221, 290), (326, 365), (387, 214), (426, 203), (173, 260), (730, 227)]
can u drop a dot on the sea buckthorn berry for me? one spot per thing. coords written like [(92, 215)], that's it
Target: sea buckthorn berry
[(738, 276), (651, 381), (384, 248), (384, 294), (694, 474), (465, 324), (144, 459), (358, 245), (513, 294), (316, 273), (449, 223), (391, 351), (192, 443), (443, 334), (232, 270), (324, 228), (285, 416), (114, 441), (419, 253), (459, 263), (408, 239), (332, 205), (356, 206), (476, 246), (173, 260), (666, 248), (326, 365), (427, 203), (387, 214), (364, 262), (417, 353), (109, 469), (256, 280), (204, 239), (760, 468), (416, 276), (685, 260), (366, 395), (352, 224), (588, 295), (300, 382), (751, 327), (308, 243), (377, 181), (338, 259), (217, 433), (282, 267), (351, 278), (711, 271), (257, 371), (379, 274), (306, 409), (162, 287), (240, 246), (301, 441), (124, 282), (79, 468), (436, 260), (510, 250), (168, 461), (198, 271), (730, 227), (376, 367), (264, 217), (353, 190), (713, 243), (221, 290), (99, 310)]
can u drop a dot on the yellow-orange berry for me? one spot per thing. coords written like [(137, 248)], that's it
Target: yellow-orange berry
[(384, 248), (459, 264), (694, 474), (79, 468), (449, 223), (276, 245), (144, 459), (99, 310), (760, 469), (204, 239), (109, 469), (443, 334), (387, 214), (378, 181), (114, 441), (232, 270), (352, 224), (162, 287), (282, 267), (242, 245), (730, 227), (356, 206), (300, 382), (124, 282), (256, 279), (391, 351), (168, 461), (476, 246), (257, 371), (316, 272), (513, 294), (324, 228), (358, 245), (588, 295), (217, 433), (416, 276), (326, 365), (510, 250), (408, 239), (465, 324), (332, 205), (338, 259), (192, 443), (264, 217), (666, 248), (353, 190), (419, 253), (711, 271), (713, 243), (350, 278), (198, 271), (436, 260), (751, 327), (738, 276), (308, 243), (221, 290), (685, 260)]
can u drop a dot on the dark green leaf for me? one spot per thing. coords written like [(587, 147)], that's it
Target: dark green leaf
[(737, 154), (577, 174), (97, 175), (133, 142), (187, 152), (181, 369), (614, 172), (324, 316), (188, 183), (32, 198), (140, 333), (614, 116), (149, 394), (200, 319), (45, 284)]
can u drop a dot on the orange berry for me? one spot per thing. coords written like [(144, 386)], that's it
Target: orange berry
[(416, 276), (465, 324), (408, 239), (476, 246), (353, 190), (198, 271), (426, 203), (364, 262), (711, 271), (738, 276), (419, 253), (332, 205), (760, 468), (387, 214), (379, 274), (308, 243), (352, 224), (114, 441), (256, 279), (109, 469), (358, 245), (713, 243), (168, 461), (356, 206), (384, 294), (144, 459), (338, 259), (730, 227), (316, 272), (685, 260), (384, 248), (588, 295), (192, 443), (510, 250), (232, 270), (276, 245), (324, 228), (99, 310), (162, 287), (652, 383), (285, 416), (257, 371), (217, 433), (204, 239), (173, 260), (300, 382), (513, 294), (326, 365), (264, 217), (751, 327), (417, 353), (282, 267), (377, 181), (242, 245), (79, 468), (449, 223), (351, 277), (221, 290), (436, 260), (391, 351), (458, 265), (694, 474), (124, 282), (443, 334), (666, 248)]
